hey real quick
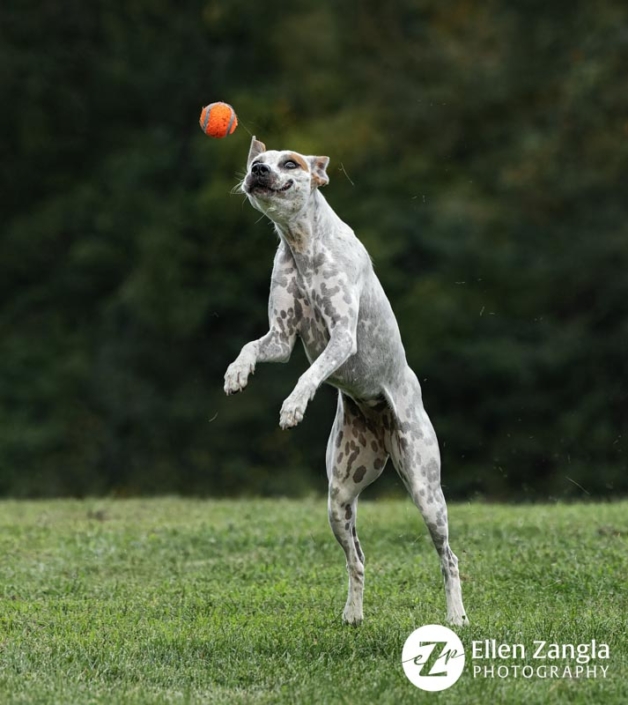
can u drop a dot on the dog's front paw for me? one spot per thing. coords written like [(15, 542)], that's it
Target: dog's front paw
[(237, 375), (291, 413), (294, 406)]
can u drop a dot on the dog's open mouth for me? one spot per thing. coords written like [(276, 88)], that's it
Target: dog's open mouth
[(260, 187)]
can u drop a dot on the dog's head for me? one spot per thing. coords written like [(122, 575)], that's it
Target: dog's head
[(280, 183)]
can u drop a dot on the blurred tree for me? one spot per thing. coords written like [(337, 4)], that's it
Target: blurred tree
[(479, 150)]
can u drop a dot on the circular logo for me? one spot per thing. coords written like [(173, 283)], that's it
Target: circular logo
[(433, 657)]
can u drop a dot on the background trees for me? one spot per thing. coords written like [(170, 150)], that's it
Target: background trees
[(480, 151)]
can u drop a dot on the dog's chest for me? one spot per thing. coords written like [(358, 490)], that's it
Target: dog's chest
[(313, 288), (309, 303)]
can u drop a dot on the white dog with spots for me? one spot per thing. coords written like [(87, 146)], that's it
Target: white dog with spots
[(324, 291)]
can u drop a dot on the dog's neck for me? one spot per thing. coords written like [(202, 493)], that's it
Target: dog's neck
[(307, 228)]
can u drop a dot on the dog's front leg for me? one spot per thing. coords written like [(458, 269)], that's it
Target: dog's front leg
[(342, 344), (275, 346)]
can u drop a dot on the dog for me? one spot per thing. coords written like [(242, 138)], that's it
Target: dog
[(325, 292)]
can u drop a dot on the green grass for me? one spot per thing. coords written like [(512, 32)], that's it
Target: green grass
[(183, 601)]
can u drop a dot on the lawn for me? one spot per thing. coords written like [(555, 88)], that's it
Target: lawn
[(189, 601)]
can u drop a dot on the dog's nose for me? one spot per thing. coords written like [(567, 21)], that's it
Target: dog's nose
[(260, 169)]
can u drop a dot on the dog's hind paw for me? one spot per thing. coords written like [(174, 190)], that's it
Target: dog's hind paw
[(458, 620), (352, 616)]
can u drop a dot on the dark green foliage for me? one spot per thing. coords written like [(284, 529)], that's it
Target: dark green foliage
[(480, 151)]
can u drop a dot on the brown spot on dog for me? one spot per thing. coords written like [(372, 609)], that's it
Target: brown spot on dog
[(348, 512), (359, 474), (402, 443), (299, 160)]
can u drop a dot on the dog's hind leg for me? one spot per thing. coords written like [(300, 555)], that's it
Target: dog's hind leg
[(413, 447), (355, 458)]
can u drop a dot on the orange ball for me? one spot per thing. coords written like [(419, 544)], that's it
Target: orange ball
[(218, 120)]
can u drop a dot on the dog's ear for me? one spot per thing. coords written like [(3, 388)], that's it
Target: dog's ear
[(255, 150), (318, 167)]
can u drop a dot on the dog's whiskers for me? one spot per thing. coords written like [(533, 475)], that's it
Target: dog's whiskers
[(239, 187)]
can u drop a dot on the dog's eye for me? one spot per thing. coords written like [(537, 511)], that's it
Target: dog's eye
[(289, 164)]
